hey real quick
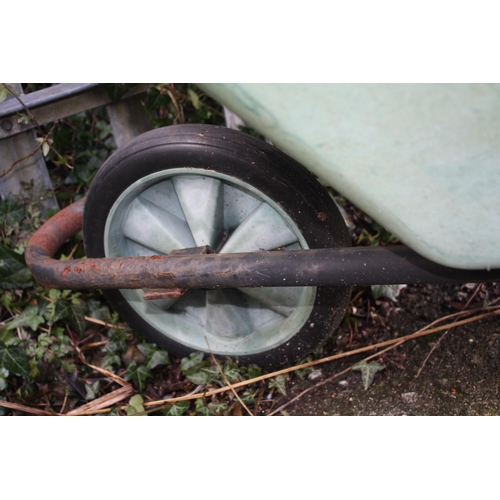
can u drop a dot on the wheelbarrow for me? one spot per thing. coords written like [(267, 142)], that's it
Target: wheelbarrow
[(208, 239)]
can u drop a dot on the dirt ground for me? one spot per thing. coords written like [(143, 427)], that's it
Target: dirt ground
[(460, 376)]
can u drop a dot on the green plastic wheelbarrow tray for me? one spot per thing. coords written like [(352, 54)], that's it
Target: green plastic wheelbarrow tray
[(421, 159)]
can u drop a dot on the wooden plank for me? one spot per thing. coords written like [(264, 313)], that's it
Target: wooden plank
[(128, 119), (30, 169)]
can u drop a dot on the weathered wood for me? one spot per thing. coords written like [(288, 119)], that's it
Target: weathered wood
[(128, 119), (30, 169)]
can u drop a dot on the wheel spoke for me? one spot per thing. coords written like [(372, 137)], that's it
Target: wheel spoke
[(278, 299), (133, 248), (231, 314), (263, 229), (163, 305), (201, 199), (164, 196), (227, 316), (149, 225), (238, 204), (192, 306)]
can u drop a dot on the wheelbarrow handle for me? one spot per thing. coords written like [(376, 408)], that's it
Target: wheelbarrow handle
[(317, 267)]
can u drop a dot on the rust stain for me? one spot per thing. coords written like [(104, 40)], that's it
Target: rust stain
[(162, 293), (322, 216), (167, 275)]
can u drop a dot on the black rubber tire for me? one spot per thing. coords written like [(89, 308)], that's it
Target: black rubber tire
[(248, 159)]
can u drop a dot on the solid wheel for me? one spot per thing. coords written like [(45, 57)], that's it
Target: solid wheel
[(193, 185)]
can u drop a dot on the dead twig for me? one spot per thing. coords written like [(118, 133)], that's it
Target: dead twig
[(434, 347), (73, 250), (29, 155), (104, 401), (102, 323), (26, 409), (176, 105), (102, 371), (92, 345), (478, 287), (357, 296)]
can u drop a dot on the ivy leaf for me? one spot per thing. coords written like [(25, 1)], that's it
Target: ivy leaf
[(29, 317), (304, 372), (83, 173), (13, 270), (201, 408), (218, 408), (109, 360), (147, 350), (14, 360), (193, 363), (5, 334), (76, 318), (248, 397), (368, 371), (154, 356), (156, 99), (138, 374), (198, 378), (73, 312), (177, 409), (253, 371), (206, 375), (11, 212), (135, 405), (210, 409), (91, 390), (158, 358), (232, 371), (232, 374), (279, 383)]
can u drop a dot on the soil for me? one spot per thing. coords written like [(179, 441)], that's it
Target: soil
[(460, 377)]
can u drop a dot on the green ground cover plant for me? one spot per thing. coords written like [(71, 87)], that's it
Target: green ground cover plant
[(46, 335)]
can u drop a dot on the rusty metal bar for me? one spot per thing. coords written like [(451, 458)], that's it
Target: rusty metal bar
[(329, 267)]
